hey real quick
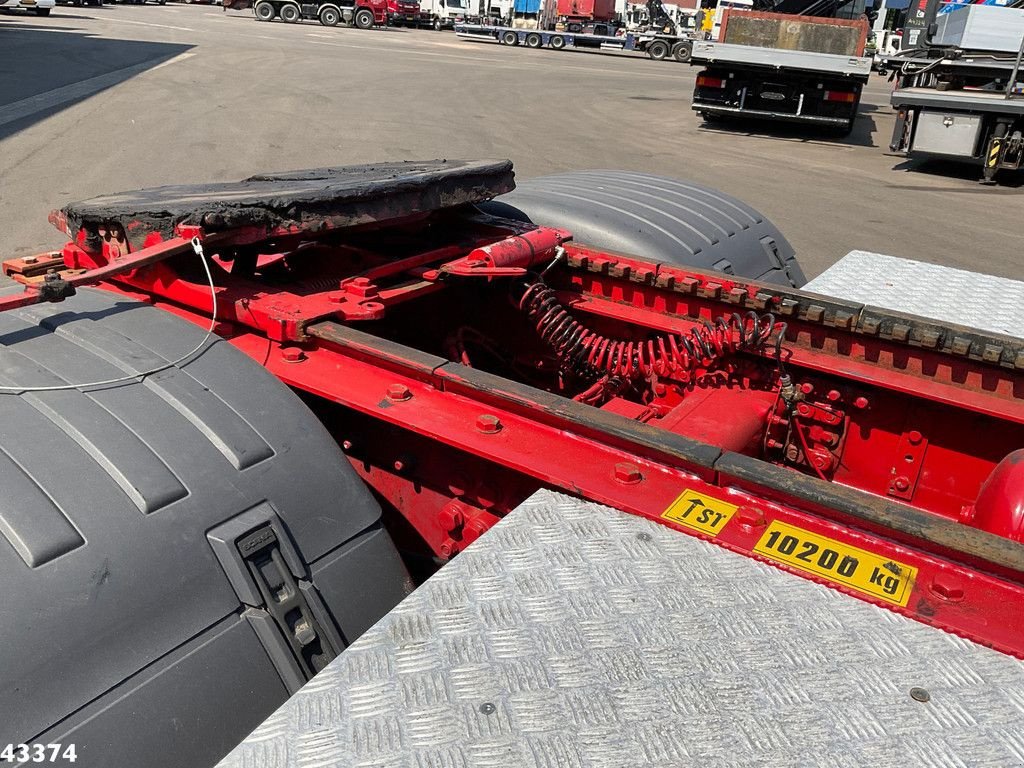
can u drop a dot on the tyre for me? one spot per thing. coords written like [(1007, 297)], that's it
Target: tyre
[(664, 219), (364, 18), (509, 38), (533, 40), (437, 25), (682, 51), (264, 11), (658, 50), (329, 16), (557, 42), (289, 13), (43, 11)]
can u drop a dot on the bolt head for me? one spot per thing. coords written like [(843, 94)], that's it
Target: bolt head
[(398, 393), (627, 473), (293, 355), (861, 402), (834, 395), (30, 260), (914, 437), (901, 483), (488, 423), (946, 589)]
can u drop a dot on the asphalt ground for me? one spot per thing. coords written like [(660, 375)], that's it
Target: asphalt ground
[(96, 100)]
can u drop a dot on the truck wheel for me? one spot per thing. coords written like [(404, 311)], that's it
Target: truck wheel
[(329, 16), (533, 40), (683, 51), (163, 493), (658, 50), (264, 11), (42, 11), (437, 25), (289, 13), (660, 218), (509, 38), (364, 18), (557, 42)]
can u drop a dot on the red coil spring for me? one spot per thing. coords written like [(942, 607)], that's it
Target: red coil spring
[(677, 356)]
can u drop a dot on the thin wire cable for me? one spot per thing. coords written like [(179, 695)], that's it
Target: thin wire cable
[(197, 246)]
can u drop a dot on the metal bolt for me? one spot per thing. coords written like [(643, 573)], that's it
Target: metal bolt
[(346, 445), (920, 694), (750, 517), (901, 483), (803, 410), (398, 393), (447, 549), (627, 473), (399, 465), (293, 355), (807, 388), (948, 590), (914, 437), (792, 453), (487, 708), (30, 260), (834, 395), (861, 402), (488, 423)]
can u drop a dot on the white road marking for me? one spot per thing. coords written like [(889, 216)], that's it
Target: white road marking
[(146, 24), (83, 88), (177, 59)]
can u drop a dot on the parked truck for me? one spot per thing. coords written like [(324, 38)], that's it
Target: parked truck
[(774, 66), (443, 14), (960, 93), (668, 505), (662, 36), (362, 14)]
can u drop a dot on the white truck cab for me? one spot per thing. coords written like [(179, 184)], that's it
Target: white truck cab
[(41, 7), (444, 14)]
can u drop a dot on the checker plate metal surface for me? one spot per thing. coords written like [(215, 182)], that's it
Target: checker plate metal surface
[(572, 635), (985, 302)]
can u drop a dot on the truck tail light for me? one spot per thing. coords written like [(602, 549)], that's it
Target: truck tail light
[(703, 81), (840, 96)]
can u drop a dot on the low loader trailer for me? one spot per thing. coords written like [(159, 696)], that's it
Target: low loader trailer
[(665, 503), (656, 45)]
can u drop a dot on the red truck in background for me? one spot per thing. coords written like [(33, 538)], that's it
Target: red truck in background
[(403, 13), (583, 11), (363, 14)]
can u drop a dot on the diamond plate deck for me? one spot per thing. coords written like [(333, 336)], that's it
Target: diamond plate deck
[(985, 302), (575, 636)]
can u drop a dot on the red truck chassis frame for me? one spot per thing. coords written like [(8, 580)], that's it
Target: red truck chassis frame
[(870, 451)]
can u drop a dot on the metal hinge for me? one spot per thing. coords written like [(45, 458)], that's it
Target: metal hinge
[(283, 599)]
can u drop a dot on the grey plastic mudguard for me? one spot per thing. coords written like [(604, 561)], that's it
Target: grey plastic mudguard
[(131, 624), (657, 218)]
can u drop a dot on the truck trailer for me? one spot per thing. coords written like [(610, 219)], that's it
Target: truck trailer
[(668, 503), (772, 66), (960, 93), (362, 14)]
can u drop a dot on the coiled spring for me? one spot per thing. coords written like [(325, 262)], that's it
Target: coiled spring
[(673, 355)]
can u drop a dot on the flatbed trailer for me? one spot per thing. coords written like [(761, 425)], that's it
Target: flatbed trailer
[(777, 84), (655, 45), (213, 462)]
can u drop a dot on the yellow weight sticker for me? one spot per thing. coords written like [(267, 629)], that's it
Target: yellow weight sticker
[(702, 513), (855, 568)]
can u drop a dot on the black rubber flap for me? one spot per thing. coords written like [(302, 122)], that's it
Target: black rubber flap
[(311, 199)]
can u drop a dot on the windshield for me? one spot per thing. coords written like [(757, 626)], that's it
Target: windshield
[(457, 3)]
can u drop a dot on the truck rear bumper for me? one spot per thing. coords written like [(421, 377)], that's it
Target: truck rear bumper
[(717, 109)]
